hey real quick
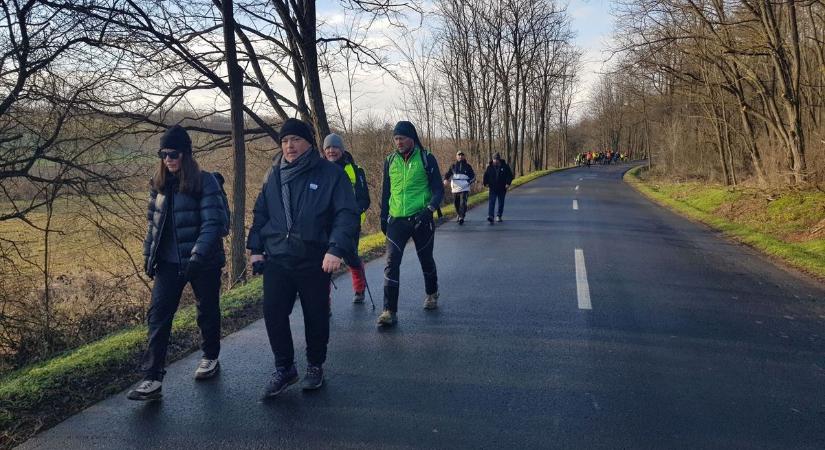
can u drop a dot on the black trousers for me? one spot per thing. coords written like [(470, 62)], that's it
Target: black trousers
[(354, 260), (166, 293), (280, 286), (399, 231), (460, 202)]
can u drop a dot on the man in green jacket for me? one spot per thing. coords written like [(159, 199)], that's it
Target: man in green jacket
[(412, 191)]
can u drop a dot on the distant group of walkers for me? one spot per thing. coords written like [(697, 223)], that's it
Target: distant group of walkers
[(306, 223), (606, 157)]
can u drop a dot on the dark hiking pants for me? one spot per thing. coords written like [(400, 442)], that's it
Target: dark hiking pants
[(491, 205), (460, 202), (166, 293), (280, 287), (399, 231)]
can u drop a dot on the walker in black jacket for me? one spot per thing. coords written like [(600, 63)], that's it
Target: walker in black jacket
[(305, 211), (335, 151), (186, 218), (498, 177)]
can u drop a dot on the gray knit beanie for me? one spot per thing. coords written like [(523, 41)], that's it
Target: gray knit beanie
[(334, 140)]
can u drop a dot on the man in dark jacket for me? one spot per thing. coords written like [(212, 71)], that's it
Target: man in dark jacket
[(460, 177), (335, 151), (498, 177), (412, 191), (305, 220)]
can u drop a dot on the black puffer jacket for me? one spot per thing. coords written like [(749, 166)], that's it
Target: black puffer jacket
[(325, 218), (198, 220), (498, 177)]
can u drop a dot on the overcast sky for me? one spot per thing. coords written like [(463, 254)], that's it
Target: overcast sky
[(594, 27), (591, 22)]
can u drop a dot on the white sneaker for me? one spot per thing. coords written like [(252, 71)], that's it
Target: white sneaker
[(207, 368), (431, 301), (146, 390)]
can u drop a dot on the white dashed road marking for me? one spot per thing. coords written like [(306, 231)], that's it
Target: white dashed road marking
[(582, 288), (575, 205)]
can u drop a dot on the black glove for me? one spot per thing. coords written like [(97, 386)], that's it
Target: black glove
[(384, 226), (149, 271), (194, 266), (258, 267)]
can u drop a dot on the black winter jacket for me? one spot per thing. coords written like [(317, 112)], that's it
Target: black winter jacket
[(198, 224), (362, 192), (497, 178), (325, 217)]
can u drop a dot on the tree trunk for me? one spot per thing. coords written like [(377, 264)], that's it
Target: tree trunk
[(237, 257)]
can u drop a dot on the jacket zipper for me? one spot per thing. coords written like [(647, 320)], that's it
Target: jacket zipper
[(171, 208), (156, 243), (404, 191)]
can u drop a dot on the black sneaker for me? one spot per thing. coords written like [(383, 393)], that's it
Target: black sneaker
[(490, 219), (146, 390), (498, 218), (461, 221), (314, 378), (281, 379)]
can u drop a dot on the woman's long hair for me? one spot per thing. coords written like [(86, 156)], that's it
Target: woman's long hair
[(189, 176)]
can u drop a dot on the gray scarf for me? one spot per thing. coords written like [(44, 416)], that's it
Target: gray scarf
[(290, 171)]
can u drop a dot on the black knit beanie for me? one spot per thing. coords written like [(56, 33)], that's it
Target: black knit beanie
[(405, 128), (176, 138), (296, 127)]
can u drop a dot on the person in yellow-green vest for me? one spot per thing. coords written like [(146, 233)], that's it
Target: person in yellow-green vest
[(411, 192), (335, 151)]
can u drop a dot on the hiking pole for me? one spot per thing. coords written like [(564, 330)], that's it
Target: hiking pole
[(368, 291)]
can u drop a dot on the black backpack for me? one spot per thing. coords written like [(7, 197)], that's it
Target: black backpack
[(226, 224)]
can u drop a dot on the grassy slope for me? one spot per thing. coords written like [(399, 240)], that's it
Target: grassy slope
[(42, 394), (786, 226)]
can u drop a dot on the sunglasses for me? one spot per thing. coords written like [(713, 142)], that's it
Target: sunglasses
[(461, 154), (172, 154)]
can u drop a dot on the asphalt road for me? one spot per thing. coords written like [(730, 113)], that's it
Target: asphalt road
[(690, 341)]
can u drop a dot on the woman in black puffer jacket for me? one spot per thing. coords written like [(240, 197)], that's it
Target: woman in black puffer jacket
[(183, 245)]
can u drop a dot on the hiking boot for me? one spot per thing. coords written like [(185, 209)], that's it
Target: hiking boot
[(146, 390), (431, 301), (314, 378), (358, 297), (498, 218), (281, 379), (207, 368), (387, 319), (490, 219)]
